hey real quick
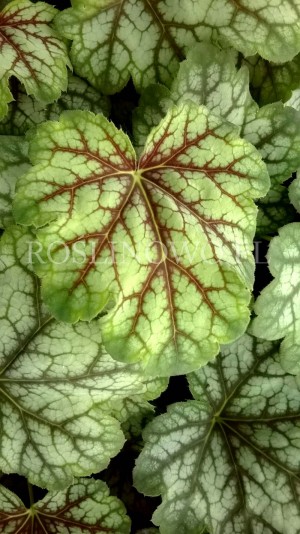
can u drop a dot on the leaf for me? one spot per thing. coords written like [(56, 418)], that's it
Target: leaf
[(13, 163), (275, 131), (165, 243), (26, 112), (294, 193), (278, 306), (271, 82), (294, 101), (5, 97), (275, 210), (209, 77), (86, 507), (31, 51), (228, 460), (154, 104), (114, 39), (58, 386), (134, 411)]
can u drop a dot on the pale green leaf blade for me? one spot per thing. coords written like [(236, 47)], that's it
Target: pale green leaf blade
[(210, 77), (294, 193), (294, 101), (58, 386), (32, 51), (230, 459), (13, 163), (13, 515), (114, 39), (85, 507), (271, 82), (26, 112), (207, 77), (269, 29), (168, 242), (275, 131), (278, 306), (5, 95)]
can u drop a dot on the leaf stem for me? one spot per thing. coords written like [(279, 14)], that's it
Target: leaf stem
[(31, 496)]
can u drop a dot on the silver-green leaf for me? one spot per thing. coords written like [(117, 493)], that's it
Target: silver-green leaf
[(228, 460), (59, 389)]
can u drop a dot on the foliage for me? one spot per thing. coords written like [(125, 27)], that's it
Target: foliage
[(127, 261)]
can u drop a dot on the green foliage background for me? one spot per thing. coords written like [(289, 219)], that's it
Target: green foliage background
[(161, 394)]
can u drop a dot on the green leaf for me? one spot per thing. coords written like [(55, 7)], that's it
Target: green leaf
[(59, 388), (114, 39), (134, 411), (228, 460), (154, 103), (207, 77), (165, 243), (210, 77), (278, 306), (294, 193), (294, 101), (275, 210), (271, 82), (13, 163), (86, 507), (5, 96), (26, 112), (275, 131), (31, 51)]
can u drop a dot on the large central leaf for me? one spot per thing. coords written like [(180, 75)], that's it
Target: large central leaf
[(168, 240), (113, 39)]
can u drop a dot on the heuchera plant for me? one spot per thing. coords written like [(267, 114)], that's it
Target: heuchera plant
[(148, 159)]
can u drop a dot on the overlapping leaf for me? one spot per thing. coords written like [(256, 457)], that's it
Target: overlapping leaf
[(84, 508), (114, 39), (31, 51), (278, 306), (294, 101), (229, 459), (13, 163), (273, 82), (167, 241), (275, 131), (275, 210), (209, 77), (25, 112), (294, 193), (58, 387), (135, 410)]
